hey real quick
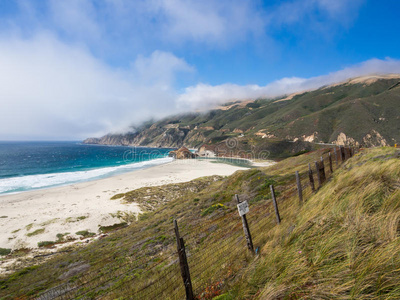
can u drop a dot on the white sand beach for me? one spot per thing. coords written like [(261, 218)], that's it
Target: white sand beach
[(33, 216)]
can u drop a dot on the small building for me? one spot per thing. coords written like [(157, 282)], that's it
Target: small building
[(207, 151)]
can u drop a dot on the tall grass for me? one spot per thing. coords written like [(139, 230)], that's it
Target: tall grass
[(341, 243)]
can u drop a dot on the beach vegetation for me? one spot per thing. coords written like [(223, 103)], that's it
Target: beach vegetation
[(36, 232), (75, 219), (85, 233), (15, 231), (126, 216), (29, 226), (20, 252), (46, 244), (117, 196), (60, 236), (3, 217), (5, 251), (116, 226), (48, 222)]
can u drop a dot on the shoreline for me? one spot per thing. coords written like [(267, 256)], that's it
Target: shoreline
[(39, 215)]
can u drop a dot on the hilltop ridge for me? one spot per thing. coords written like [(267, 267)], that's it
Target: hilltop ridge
[(362, 111)]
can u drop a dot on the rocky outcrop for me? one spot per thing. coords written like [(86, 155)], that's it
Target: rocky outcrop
[(374, 139), (343, 140), (182, 153)]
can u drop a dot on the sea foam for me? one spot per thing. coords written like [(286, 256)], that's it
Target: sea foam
[(30, 182)]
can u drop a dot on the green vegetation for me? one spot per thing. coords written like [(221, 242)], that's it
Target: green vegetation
[(342, 243), (76, 219), (46, 244), (48, 222), (113, 227), (85, 233), (4, 251), (61, 237), (117, 196), (36, 232), (213, 208)]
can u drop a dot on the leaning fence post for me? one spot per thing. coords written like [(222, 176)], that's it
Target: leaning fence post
[(299, 188), (278, 217), (330, 162), (245, 226), (183, 264), (311, 177)]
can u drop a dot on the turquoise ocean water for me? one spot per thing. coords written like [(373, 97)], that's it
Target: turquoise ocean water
[(33, 165)]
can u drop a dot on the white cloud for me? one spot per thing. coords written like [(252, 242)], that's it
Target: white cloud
[(210, 22), (51, 90), (76, 18), (321, 16), (159, 68), (204, 96)]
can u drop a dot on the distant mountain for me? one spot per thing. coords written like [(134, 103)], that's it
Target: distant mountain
[(362, 111)]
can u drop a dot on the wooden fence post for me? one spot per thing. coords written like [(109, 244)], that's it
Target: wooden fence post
[(183, 264), (336, 158), (278, 217), (311, 177), (330, 162), (246, 229), (322, 170), (342, 154), (318, 174), (299, 187)]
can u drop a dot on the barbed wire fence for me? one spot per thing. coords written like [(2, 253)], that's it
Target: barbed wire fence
[(196, 270)]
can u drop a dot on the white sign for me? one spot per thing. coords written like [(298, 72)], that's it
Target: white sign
[(243, 208)]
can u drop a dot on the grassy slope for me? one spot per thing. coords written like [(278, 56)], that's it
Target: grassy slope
[(343, 242)]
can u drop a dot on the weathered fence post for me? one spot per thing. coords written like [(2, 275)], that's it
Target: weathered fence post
[(330, 162), (311, 177), (336, 158), (246, 228), (299, 188), (322, 170), (183, 264), (278, 217), (318, 174), (342, 154)]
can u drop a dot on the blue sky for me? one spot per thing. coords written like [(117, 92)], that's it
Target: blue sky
[(77, 68)]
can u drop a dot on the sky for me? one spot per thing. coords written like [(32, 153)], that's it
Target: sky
[(81, 68)]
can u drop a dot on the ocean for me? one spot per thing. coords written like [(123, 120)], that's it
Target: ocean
[(27, 166)]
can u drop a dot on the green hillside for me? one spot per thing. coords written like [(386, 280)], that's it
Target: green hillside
[(342, 243), (357, 112)]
